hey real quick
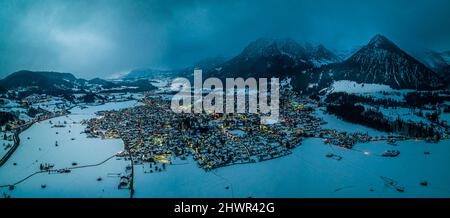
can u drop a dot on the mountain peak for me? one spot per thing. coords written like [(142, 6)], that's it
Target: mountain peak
[(380, 41), (272, 46)]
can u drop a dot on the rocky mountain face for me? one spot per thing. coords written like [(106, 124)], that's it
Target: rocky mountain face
[(382, 62), (436, 61), (320, 55), (273, 58), (309, 67)]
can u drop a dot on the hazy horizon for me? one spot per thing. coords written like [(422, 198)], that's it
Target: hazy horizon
[(105, 37)]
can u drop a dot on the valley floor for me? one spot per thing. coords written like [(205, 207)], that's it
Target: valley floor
[(307, 172)]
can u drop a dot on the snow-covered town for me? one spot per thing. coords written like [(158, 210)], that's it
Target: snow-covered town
[(133, 145)]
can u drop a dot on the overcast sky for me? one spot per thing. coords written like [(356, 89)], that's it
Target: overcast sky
[(101, 38)]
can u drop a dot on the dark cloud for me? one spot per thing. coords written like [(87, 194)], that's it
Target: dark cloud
[(101, 38)]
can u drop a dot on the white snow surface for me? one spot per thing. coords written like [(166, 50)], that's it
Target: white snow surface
[(308, 173), (335, 123), (354, 87), (73, 147)]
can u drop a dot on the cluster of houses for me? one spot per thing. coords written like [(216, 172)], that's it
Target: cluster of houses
[(154, 133)]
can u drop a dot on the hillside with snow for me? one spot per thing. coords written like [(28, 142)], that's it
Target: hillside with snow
[(382, 62)]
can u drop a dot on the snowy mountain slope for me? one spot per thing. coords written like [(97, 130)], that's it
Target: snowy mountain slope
[(274, 58), (320, 56), (346, 53), (42, 80), (433, 60), (381, 62), (146, 74), (209, 63), (446, 56)]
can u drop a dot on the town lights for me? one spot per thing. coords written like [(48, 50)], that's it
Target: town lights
[(213, 102)]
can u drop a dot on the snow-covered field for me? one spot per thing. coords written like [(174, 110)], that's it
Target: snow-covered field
[(163, 85), (308, 173), (38, 146), (53, 105), (405, 114)]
